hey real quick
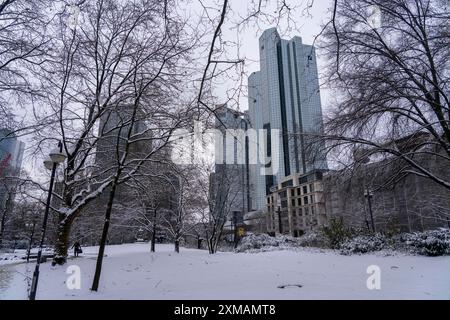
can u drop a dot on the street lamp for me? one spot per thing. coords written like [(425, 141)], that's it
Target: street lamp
[(55, 157), (280, 223), (369, 194)]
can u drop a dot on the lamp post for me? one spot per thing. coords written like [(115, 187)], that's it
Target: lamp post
[(280, 223), (56, 157), (368, 194), (32, 227)]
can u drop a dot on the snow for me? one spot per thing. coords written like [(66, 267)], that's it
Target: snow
[(130, 271)]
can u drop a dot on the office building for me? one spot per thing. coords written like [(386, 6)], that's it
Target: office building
[(284, 100)]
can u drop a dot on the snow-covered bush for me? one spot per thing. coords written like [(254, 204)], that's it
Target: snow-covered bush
[(363, 244), (313, 239), (429, 243), (336, 233), (264, 242)]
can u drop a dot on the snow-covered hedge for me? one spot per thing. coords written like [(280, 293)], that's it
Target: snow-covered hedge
[(363, 244), (429, 243), (313, 239), (264, 242)]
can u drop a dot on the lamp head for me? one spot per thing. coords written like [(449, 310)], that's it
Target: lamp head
[(48, 163), (57, 156)]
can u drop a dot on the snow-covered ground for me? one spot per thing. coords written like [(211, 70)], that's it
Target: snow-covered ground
[(131, 272)]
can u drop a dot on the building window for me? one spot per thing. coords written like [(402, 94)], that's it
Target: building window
[(312, 198), (305, 200), (292, 192), (312, 210), (311, 187), (287, 184), (298, 191), (293, 202), (305, 189), (299, 201)]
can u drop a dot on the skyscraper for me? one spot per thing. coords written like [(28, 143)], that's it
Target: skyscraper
[(284, 100), (11, 154), (230, 180)]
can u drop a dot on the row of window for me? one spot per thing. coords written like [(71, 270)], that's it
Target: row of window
[(305, 211), (296, 191), (306, 200)]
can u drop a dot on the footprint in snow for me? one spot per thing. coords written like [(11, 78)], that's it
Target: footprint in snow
[(284, 286)]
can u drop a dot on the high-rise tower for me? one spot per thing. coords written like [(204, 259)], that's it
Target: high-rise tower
[(284, 95)]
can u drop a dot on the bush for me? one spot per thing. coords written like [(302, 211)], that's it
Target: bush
[(363, 244), (429, 243), (264, 242), (313, 239), (336, 233)]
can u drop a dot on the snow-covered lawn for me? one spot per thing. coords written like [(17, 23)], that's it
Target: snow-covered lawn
[(131, 272)]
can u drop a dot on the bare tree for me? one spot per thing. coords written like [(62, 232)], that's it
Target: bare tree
[(215, 197), (177, 221), (389, 63), (121, 55), (24, 42)]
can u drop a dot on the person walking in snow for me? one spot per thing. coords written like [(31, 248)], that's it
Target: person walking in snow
[(77, 248)]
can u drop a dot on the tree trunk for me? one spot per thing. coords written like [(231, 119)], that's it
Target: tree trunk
[(211, 247), (199, 243), (177, 246), (5, 212), (101, 251), (62, 241), (152, 249), (2, 227)]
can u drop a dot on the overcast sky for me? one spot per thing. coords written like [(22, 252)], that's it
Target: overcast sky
[(308, 25)]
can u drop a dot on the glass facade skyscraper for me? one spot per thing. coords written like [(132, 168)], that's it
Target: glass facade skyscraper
[(284, 99), (11, 154)]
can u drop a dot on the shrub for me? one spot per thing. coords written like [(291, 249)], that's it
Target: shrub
[(313, 239), (363, 244), (336, 233), (264, 242), (429, 243), (252, 241)]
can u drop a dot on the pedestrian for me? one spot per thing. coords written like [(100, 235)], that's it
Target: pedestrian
[(77, 248)]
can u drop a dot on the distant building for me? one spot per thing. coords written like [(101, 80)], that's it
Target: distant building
[(284, 95), (156, 175), (11, 154), (230, 185), (296, 205), (396, 203)]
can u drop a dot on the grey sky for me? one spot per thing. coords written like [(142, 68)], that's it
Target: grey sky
[(308, 25)]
